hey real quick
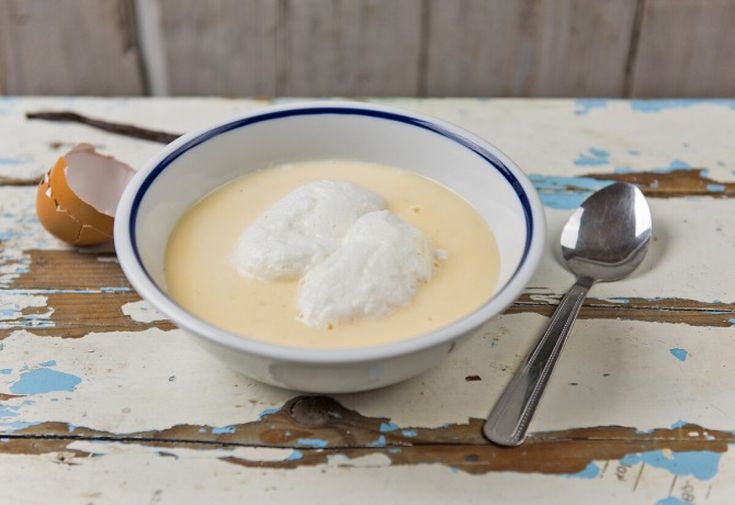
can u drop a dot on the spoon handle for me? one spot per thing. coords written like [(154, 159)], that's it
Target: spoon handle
[(508, 422)]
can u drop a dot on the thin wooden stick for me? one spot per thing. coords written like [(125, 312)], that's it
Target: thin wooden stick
[(108, 126)]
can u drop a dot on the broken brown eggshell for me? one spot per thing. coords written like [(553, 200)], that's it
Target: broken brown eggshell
[(77, 198)]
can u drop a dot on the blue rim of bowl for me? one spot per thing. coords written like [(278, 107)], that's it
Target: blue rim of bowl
[(391, 116)]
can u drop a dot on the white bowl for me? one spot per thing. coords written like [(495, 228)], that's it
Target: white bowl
[(199, 162)]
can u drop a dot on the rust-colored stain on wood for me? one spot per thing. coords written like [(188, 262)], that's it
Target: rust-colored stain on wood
[(674, 183), (341, 431), (71, 270), (662, 310)]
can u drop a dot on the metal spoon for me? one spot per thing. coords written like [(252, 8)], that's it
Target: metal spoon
[(604, 240)]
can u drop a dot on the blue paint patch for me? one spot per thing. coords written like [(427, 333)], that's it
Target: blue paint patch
[(409, 433), (701, 465), (674, 165), (72, 428), (672, 500), (6, 371), (620, 299), (44, 380), (644, 432), (223, 429), (11, 161), (51, 362), (394, 450), (715, 188), (593, 157), (267, 412), (16, 425), (388, 427), (565, 193), (659, 105), (379, 442), (590, 472), (679, 353), (295, 455), (678, 424), (731, 321), (585, 105), (8, 412), (623, 170), (316, 443), (115, 290)]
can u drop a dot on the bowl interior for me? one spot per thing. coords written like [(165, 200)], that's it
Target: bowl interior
[(204, 163)]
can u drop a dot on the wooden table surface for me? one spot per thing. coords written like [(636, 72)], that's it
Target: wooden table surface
[(103, 401)]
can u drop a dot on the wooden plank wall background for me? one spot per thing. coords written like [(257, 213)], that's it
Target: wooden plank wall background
[(642, 48)]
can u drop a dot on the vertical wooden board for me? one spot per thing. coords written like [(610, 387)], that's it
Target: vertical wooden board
[(528, 48), (584, 47), (686, 49), (220, 47), (343, 47), (69, 47), (4, 44)]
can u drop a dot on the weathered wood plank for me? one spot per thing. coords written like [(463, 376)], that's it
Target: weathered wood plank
[(685, 49), (85, 292), (528, 48), (69, 314), (346, 48), (547, 137), (4, 45), (612, 373), (220, 47), (103, 472), (71, 270), (69, 47), (320, 428)]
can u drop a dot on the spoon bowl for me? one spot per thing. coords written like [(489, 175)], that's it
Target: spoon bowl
[(607, 237)]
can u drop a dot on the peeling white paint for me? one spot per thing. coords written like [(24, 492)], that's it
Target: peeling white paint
[(255, 454), (142, 312), (623, 371), (369, 461), (142, 475), (12, 307)]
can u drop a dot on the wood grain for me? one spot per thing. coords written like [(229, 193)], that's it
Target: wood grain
[(86, 295), (69, 47), (71, 270), (77, 314), (348, 433), (220, 47), (685, 49), (4, 46), (528, 48), (659, 310), (124, 129), (342, 47), (676, 183)]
